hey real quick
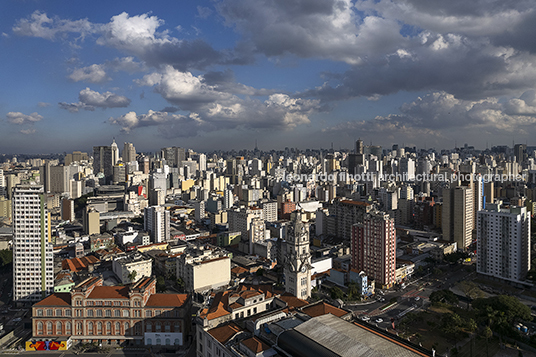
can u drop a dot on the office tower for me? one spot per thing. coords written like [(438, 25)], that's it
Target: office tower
[(143, 162), (373, 248), (119, 174), (199, 207), (115, 153), (359, 147), (520, 152), (44, 176), (91, 221), (157, 222), (240, 220), (59, 179), (67, 209), (202, 162), (347, 214), (129, 153), (228, 198), (173, 155), (103, 161), (256, 233), (457, 215), (33, 270), (503, 242), (2, 184), (297, 259)]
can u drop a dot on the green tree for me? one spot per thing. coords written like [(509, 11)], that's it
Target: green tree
[(445, 296), (6, 257), (336, 293), (132, 275), (160, 284)]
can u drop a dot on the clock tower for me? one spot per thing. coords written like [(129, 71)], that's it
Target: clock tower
[(298, 259)]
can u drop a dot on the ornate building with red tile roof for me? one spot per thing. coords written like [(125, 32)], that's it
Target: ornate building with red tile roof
[(114, 315)]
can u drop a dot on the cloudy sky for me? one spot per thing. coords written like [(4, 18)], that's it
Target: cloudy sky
[(299, 73)]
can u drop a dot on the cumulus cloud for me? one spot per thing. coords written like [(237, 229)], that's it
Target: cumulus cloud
[(40, 25), (440, 114), (19, 118), (89, 100), (92, 74), (211, 98), (43, 104), (136, 35), (126, 64)]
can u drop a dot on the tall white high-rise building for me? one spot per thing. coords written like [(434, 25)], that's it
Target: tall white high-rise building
[(129, 153), (33, 266), (503, 242), (202, 162), (157, 223)]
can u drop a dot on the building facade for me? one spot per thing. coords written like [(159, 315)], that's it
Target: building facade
[(373, 248), (113, 315), (157, 223), (33, 274), (503, 242), (298, 259)]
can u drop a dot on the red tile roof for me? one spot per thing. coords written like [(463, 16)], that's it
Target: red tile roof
[(109, 292), (57, 299), (79, 264), (224, 333), (218, 307), (292, 301), (323, 309), (167, 300), (255, 345)]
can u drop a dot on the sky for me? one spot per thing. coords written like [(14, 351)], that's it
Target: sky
[(224, 74)]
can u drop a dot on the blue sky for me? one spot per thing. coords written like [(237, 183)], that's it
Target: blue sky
[(297, 73)]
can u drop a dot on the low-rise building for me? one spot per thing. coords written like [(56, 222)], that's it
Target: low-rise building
[(114, 315), (125, 266), (204, 269)]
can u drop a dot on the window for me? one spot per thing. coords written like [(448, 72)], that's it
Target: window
[(108, 327), (90, 328), (117, 328), (117, 313), (99, 313), (149, 327), (125, 313), (126, 328), (158, 342), (148, 313), (90, 313), (49, 312), (108, 313), (49, 328), (39, 328), (68, 328), (156, 313), (80, 328), (68, 312), (58, 328), (58, 313)]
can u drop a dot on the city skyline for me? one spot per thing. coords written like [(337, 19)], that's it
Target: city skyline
[(227, 74)]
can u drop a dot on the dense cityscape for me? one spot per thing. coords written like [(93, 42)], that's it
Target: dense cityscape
[(291, 252), (232, 178)]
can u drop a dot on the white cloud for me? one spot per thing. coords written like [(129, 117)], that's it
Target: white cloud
[(103, 100), (43, 104), (40, 25), (92, 74), (19, 118), (27, 131), (89, 100)]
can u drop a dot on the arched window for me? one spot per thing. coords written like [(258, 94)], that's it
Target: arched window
[(80, 329), (108, 327), (177, 327), (99, 328), (117, 313), (39, 328), (90, 328), (177, 342), (49, 328), (117, 328), (149, 327), (127, 332), (167, 327), (158, 341), (168, 342), (68, 328), (149, 341), (58, 328)]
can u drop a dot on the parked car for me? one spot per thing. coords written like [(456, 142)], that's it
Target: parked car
[(379, 319), (365, 318)]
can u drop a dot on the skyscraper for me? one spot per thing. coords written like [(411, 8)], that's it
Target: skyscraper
[(457, 215), (129, 153), (157, 223), (103, 161), (503, 242), (33, 270), (373, 248)]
